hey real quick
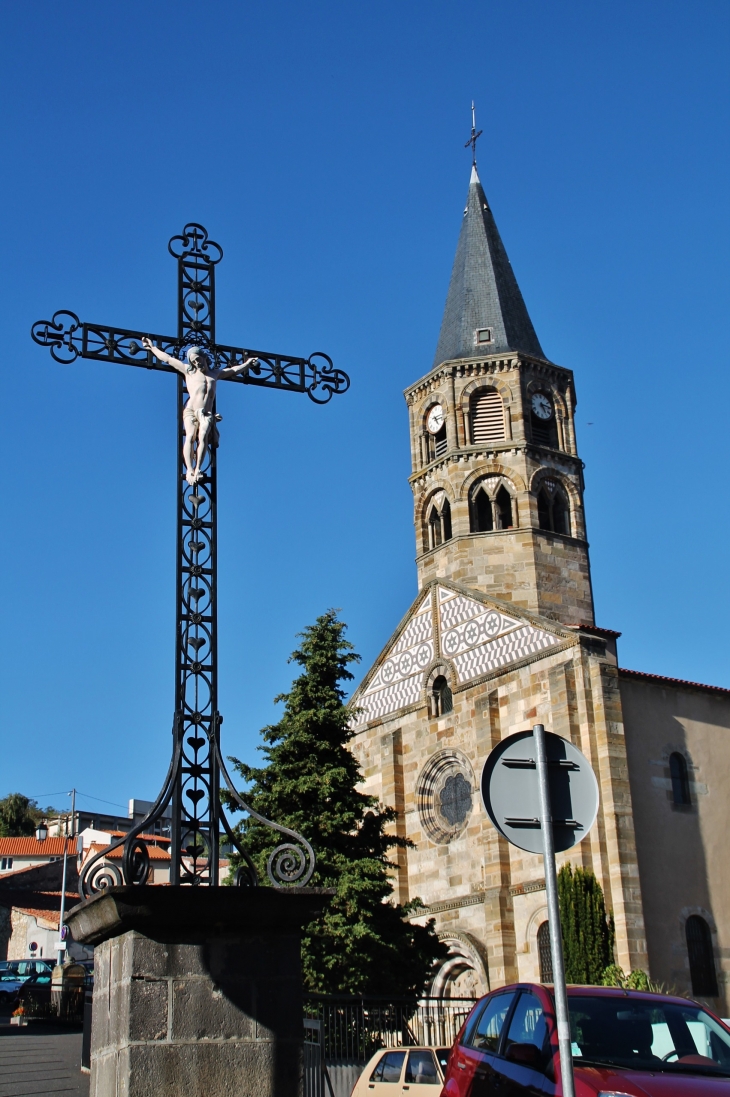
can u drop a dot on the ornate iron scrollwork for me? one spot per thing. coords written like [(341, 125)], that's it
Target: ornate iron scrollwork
[(59, 335), (331, 381), (193, 242), (290, 863)]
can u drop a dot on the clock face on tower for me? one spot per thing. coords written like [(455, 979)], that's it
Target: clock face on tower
[(541, 406), (435, 419)]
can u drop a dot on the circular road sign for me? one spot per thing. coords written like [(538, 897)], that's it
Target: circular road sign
[(512, 799)]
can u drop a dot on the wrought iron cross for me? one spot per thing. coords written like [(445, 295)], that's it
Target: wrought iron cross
[(193, 779)]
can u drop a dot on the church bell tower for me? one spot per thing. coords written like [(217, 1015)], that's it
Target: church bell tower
[(497, 480)]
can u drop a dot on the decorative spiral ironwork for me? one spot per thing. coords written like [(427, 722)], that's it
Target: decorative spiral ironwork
[(328, 380), (287, 864), (193, 242), (97, 873), (290, 863), (136, 861), (59, 335), (102, 876)]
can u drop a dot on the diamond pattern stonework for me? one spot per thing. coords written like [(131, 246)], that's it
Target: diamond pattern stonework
[(475, 637)]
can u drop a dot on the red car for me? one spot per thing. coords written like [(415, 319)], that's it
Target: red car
[(625, 1043)]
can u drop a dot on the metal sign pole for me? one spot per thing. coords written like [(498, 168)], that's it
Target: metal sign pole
[(556, 939)]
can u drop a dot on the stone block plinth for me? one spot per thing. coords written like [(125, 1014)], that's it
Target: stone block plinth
[(197, 991)]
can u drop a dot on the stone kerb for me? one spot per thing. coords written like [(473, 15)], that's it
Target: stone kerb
[(197, 990)]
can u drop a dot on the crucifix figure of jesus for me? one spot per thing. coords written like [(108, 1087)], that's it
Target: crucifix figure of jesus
[(198, 416), (193, 783)]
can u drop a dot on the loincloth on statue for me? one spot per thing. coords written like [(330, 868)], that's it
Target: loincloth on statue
[(199, 417)]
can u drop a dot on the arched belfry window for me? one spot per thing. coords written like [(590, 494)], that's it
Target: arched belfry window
[(441, 698), (482, 516), (553, 509), (680, 779), (491, 506), (544, 955), (486, 417), (438, 521), (701, 957)]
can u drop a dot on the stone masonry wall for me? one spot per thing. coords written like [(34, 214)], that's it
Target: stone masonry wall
[(188, 1018)]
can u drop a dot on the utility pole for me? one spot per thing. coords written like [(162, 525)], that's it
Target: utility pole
[(61, 951)]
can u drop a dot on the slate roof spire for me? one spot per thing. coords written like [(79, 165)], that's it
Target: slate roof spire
[(483, 292)]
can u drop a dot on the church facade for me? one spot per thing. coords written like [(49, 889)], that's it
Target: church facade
[(501, 636)]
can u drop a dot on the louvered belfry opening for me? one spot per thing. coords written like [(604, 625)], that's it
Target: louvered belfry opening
[(487, 417)]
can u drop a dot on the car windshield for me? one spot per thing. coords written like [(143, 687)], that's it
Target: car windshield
[(647, 1035)]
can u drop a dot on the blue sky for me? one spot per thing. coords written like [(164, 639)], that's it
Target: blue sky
[(322, 146)]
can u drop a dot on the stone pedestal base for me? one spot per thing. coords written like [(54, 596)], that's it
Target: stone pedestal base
[(197, 991)]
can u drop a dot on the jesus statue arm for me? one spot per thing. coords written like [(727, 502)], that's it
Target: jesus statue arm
[(247, 362), (163, 355)]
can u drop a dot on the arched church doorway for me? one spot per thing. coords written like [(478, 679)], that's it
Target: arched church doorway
[(463, 974)]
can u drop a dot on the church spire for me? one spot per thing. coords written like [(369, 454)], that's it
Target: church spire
[(485, 312)]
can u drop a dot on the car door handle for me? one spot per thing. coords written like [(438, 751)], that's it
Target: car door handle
[(461, 1066)]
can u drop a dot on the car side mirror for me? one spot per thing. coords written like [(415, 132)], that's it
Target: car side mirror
[(527, 1054)]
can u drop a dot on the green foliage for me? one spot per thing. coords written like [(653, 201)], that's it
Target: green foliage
[(637, 979), (19, 816), (614, 976), (363, 944), (588, 933)]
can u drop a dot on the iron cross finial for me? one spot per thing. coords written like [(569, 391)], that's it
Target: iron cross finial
[(474, 136)]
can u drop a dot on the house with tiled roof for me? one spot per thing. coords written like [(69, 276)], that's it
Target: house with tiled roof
[(502, 635), (30, 911), (20, 853)]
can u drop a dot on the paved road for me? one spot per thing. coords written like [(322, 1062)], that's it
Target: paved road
[(41, 1062)]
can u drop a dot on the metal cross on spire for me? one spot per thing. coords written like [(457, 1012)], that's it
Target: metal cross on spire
[(474, 136), (194, 777)]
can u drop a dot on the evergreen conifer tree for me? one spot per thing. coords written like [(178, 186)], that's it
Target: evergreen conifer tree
[(363, 943), (587, 931)]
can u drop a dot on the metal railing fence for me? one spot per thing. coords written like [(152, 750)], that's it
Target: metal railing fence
[(353, 1028)]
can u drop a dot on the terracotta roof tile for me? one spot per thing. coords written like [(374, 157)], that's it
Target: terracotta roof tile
[(147, 837), (31, 847), (156, 854), (40, 904), (660, 679)]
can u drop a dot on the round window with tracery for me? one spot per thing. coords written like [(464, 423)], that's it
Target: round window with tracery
[(445, 795)]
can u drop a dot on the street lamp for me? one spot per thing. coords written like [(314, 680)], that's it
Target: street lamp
[(41, 831)]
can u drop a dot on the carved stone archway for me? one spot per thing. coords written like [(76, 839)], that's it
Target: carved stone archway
[(464, 972)]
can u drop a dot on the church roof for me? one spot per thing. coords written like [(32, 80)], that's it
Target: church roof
[(483, 292)]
